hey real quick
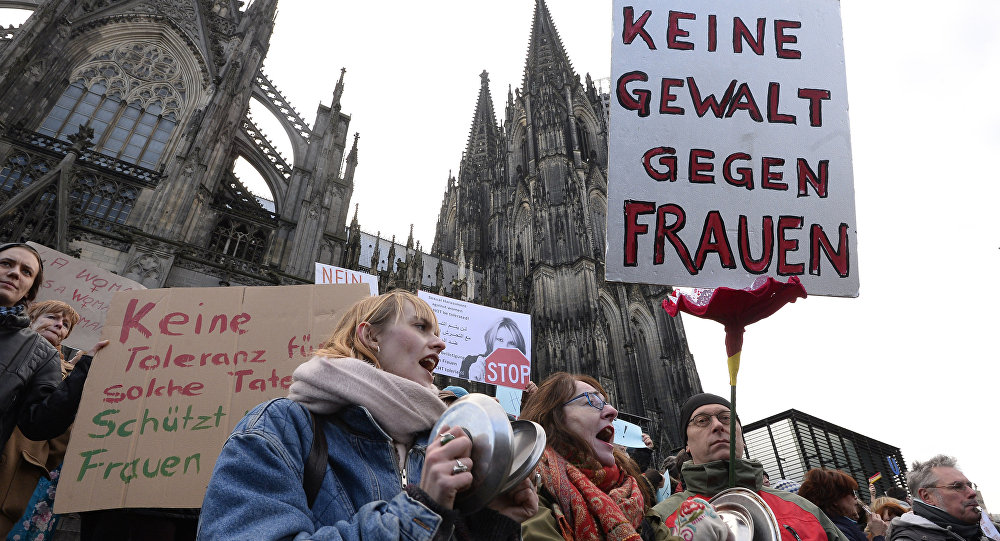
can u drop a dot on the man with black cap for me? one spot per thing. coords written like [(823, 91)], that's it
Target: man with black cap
[(706, 437), (36, 397)]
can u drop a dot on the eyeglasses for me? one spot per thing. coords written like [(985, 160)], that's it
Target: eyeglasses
[(704, 419), (957, 486), (594, 400)]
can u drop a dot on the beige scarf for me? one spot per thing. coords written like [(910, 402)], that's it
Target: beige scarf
[(401, 407)]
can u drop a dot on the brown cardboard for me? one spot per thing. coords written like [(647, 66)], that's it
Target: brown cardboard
[(84, 286), (122, 452)]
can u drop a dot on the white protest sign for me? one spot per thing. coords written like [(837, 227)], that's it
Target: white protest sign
[(328, 274), (483, 344), (730, 148), (510, 399), (627, 434), (84, 286)]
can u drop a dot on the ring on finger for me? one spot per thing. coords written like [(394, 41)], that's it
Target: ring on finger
[(459, 467), (446, 437)]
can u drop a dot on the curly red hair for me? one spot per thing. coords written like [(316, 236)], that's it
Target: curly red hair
[(825, 488)]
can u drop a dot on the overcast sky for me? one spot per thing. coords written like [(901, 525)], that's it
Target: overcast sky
[(912, 362)]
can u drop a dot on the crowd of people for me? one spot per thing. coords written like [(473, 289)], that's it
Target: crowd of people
[(350, 452)]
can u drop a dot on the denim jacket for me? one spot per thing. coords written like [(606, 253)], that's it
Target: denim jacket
[(256, 489)]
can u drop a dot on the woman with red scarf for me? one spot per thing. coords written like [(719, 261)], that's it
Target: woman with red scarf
[(589, 489)]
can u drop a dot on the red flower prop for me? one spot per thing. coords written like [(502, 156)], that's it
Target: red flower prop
[(735, 309)]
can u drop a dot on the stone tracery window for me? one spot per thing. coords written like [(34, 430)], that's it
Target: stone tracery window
[(239, 239), (101, 202), (130, 95)]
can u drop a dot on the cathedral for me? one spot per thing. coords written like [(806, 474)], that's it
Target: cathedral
[(121, 120)]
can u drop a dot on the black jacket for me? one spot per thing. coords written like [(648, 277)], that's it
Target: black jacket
[(33, 394)]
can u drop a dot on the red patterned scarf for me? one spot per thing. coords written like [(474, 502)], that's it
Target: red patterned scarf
[(595, 502)]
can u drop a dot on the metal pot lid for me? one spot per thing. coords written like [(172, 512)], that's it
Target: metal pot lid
[(764, 523), (737, 518), (492, 447), (529, 444)]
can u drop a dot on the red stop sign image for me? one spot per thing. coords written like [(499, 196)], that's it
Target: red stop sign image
[(508, 367)]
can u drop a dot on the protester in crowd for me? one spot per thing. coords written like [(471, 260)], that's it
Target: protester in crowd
[(24, 461), (766, 480), (673, 466), (503, 334), (887, 508), (451, 393), (369, 393), (38, 400), (945, 506), (643, 456), (590, 490), (657, 481), (833, 491), (901, 495), (706, 437)]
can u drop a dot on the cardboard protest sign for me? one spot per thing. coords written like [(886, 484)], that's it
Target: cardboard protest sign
[(84, 286), (473, 332), (730, 149), (183, 367), (328, 274)]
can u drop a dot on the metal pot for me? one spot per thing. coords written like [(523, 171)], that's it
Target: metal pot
[(503, 453)]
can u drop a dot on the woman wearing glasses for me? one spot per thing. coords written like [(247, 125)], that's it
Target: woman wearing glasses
[(590, 490), (834, 492), (369, 393)]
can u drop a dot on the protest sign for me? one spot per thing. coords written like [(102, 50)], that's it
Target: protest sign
[(472, 332), (85, 287), (628, 434), (510, 399), (183, 367), (730, 150), (328, 274)]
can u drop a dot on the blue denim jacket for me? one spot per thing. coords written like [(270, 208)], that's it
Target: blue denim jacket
[(256, 488)]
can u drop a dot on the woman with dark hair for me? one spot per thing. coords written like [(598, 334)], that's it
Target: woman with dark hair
[(369, 394), (834, 492), (503, 334), (39, 401), (590, 489)]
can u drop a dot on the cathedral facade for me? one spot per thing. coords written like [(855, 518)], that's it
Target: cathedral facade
[(120, 122), (528, 210)]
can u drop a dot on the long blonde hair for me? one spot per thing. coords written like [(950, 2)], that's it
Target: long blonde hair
[(378, 311)]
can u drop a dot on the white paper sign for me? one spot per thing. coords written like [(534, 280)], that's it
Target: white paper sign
[(730, 148), (510, 399), (328, 274), (472, 333), (627, 434)]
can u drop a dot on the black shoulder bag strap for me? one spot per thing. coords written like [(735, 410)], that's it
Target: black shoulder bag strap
[(315, 467)]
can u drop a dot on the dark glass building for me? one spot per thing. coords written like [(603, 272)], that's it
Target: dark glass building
[(791, 443)]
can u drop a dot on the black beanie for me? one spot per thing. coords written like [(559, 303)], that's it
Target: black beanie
[(696, 402)]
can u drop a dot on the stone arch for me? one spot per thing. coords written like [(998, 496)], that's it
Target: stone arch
[(645, 326), (243, 147), (523, 233), (95, 48), (598, 207), (590, 127), (519, 150)]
